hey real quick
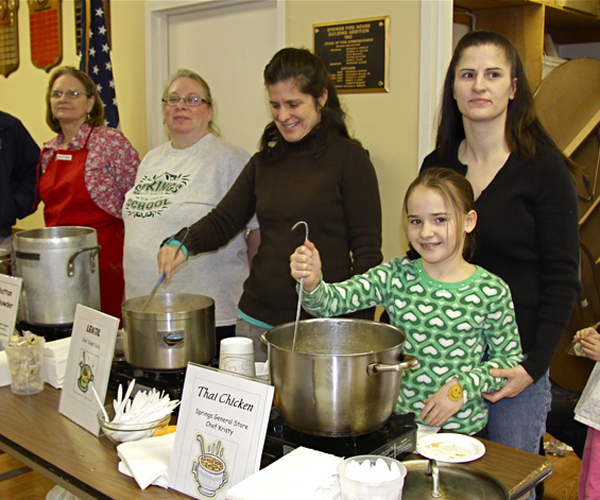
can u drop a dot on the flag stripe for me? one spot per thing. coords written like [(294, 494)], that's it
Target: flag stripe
[(95, 57)]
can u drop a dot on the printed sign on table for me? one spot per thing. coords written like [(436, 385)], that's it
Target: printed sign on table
[(221, 431), (10, 291), (90, 359)]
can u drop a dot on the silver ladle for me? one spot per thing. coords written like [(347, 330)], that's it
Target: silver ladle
[(299, 306), (163, 275), (200, 440)]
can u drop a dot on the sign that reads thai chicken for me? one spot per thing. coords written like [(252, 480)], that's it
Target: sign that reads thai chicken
[(356, 53), (221, 431)]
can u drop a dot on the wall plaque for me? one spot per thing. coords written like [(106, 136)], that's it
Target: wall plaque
[(356, 53), (9, 36), (45, 28)]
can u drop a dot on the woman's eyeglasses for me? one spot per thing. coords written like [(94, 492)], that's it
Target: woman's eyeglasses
[(71, 94), (191, 100)]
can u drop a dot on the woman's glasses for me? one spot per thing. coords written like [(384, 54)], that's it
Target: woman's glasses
[(71, 94), (191, 100)]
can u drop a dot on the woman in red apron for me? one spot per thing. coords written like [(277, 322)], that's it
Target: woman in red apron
[(84, 173)]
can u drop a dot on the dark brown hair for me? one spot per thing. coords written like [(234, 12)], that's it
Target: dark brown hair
[(523, 129), (309, 74), (96, 115)]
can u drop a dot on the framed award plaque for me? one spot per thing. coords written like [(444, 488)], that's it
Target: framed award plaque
[(9, 36), (45, 22)]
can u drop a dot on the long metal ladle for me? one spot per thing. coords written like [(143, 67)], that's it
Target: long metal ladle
[(299, 307), (163, 275)]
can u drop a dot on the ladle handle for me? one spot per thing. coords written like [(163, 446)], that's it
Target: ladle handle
[(409, 362), (433, 470)]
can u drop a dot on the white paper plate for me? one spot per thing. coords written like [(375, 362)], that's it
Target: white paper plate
[(450, 448)]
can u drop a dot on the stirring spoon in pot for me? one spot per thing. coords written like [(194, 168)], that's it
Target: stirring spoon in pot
[(299, 306), (200, 440), (163, 275)]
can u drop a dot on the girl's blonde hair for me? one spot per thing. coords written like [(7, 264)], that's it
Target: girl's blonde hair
[(457, 193)]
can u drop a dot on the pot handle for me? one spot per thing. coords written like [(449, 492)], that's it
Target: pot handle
[(71, 262), (409, 362), (434, 471), (263, 337), (174, 339)]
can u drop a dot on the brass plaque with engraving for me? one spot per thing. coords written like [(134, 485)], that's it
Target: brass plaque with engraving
[(356, 53), (9, 36)]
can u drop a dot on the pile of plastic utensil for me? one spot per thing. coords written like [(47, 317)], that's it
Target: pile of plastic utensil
[(136, 414), (146, 406)]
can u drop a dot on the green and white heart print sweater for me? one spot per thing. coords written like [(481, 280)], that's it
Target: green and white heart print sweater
[(449, 327)]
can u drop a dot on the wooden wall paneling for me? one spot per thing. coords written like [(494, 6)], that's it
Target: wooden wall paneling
[(524, 26), (568, 102)]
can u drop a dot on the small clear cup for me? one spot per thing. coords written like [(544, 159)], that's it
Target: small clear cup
[(366, 490), (26, 364)]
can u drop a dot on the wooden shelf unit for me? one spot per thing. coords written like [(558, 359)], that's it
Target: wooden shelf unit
[(525, 22)]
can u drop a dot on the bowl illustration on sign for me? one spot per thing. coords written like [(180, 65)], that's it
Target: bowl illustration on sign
[(86, 374), (209, 470)]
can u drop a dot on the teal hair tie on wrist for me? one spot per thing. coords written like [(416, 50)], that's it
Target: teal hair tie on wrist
[(174, 243)]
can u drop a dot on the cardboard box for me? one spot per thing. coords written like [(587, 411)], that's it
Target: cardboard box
[(588, 6)]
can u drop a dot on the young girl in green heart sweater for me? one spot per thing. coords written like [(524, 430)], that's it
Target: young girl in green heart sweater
[(458, 318)]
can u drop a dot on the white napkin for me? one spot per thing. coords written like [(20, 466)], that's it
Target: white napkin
[(159, 481), (4, 370), (147, 459), (425, 430), (300, 475), (56, 354)]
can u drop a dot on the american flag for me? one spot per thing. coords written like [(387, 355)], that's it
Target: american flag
[(95, 57)]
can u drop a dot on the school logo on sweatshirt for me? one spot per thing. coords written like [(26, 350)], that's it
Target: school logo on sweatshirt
[(152, 195)]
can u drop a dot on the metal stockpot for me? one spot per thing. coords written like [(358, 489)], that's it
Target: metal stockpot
[(59, 267), (342, 379), (5, 262), (175, 328), (436, 480)]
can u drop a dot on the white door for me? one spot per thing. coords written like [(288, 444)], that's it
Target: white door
[(228, 44)]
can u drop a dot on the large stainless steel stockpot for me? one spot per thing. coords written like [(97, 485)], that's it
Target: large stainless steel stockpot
[(59, 267), (173, 329), (5, 262), (448, 481), (342, 379)]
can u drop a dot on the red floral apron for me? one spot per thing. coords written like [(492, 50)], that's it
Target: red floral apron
[(67, 202)]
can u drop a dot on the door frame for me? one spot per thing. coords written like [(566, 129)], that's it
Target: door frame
[(157, 50), (436, 52)]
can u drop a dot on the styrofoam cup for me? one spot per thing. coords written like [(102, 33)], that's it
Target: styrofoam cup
[(237, 356), (370, 490)]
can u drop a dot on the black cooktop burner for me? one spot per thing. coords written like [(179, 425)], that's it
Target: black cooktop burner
[(49, 332), (122, 373), (397, 438)]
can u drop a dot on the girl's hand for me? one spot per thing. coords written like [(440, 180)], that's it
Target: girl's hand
[(169, 259), (585, 332), (590, 344), (305, 263), (517, 381), (443, 404)]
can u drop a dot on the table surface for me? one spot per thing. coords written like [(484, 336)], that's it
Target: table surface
[(32, 430)]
